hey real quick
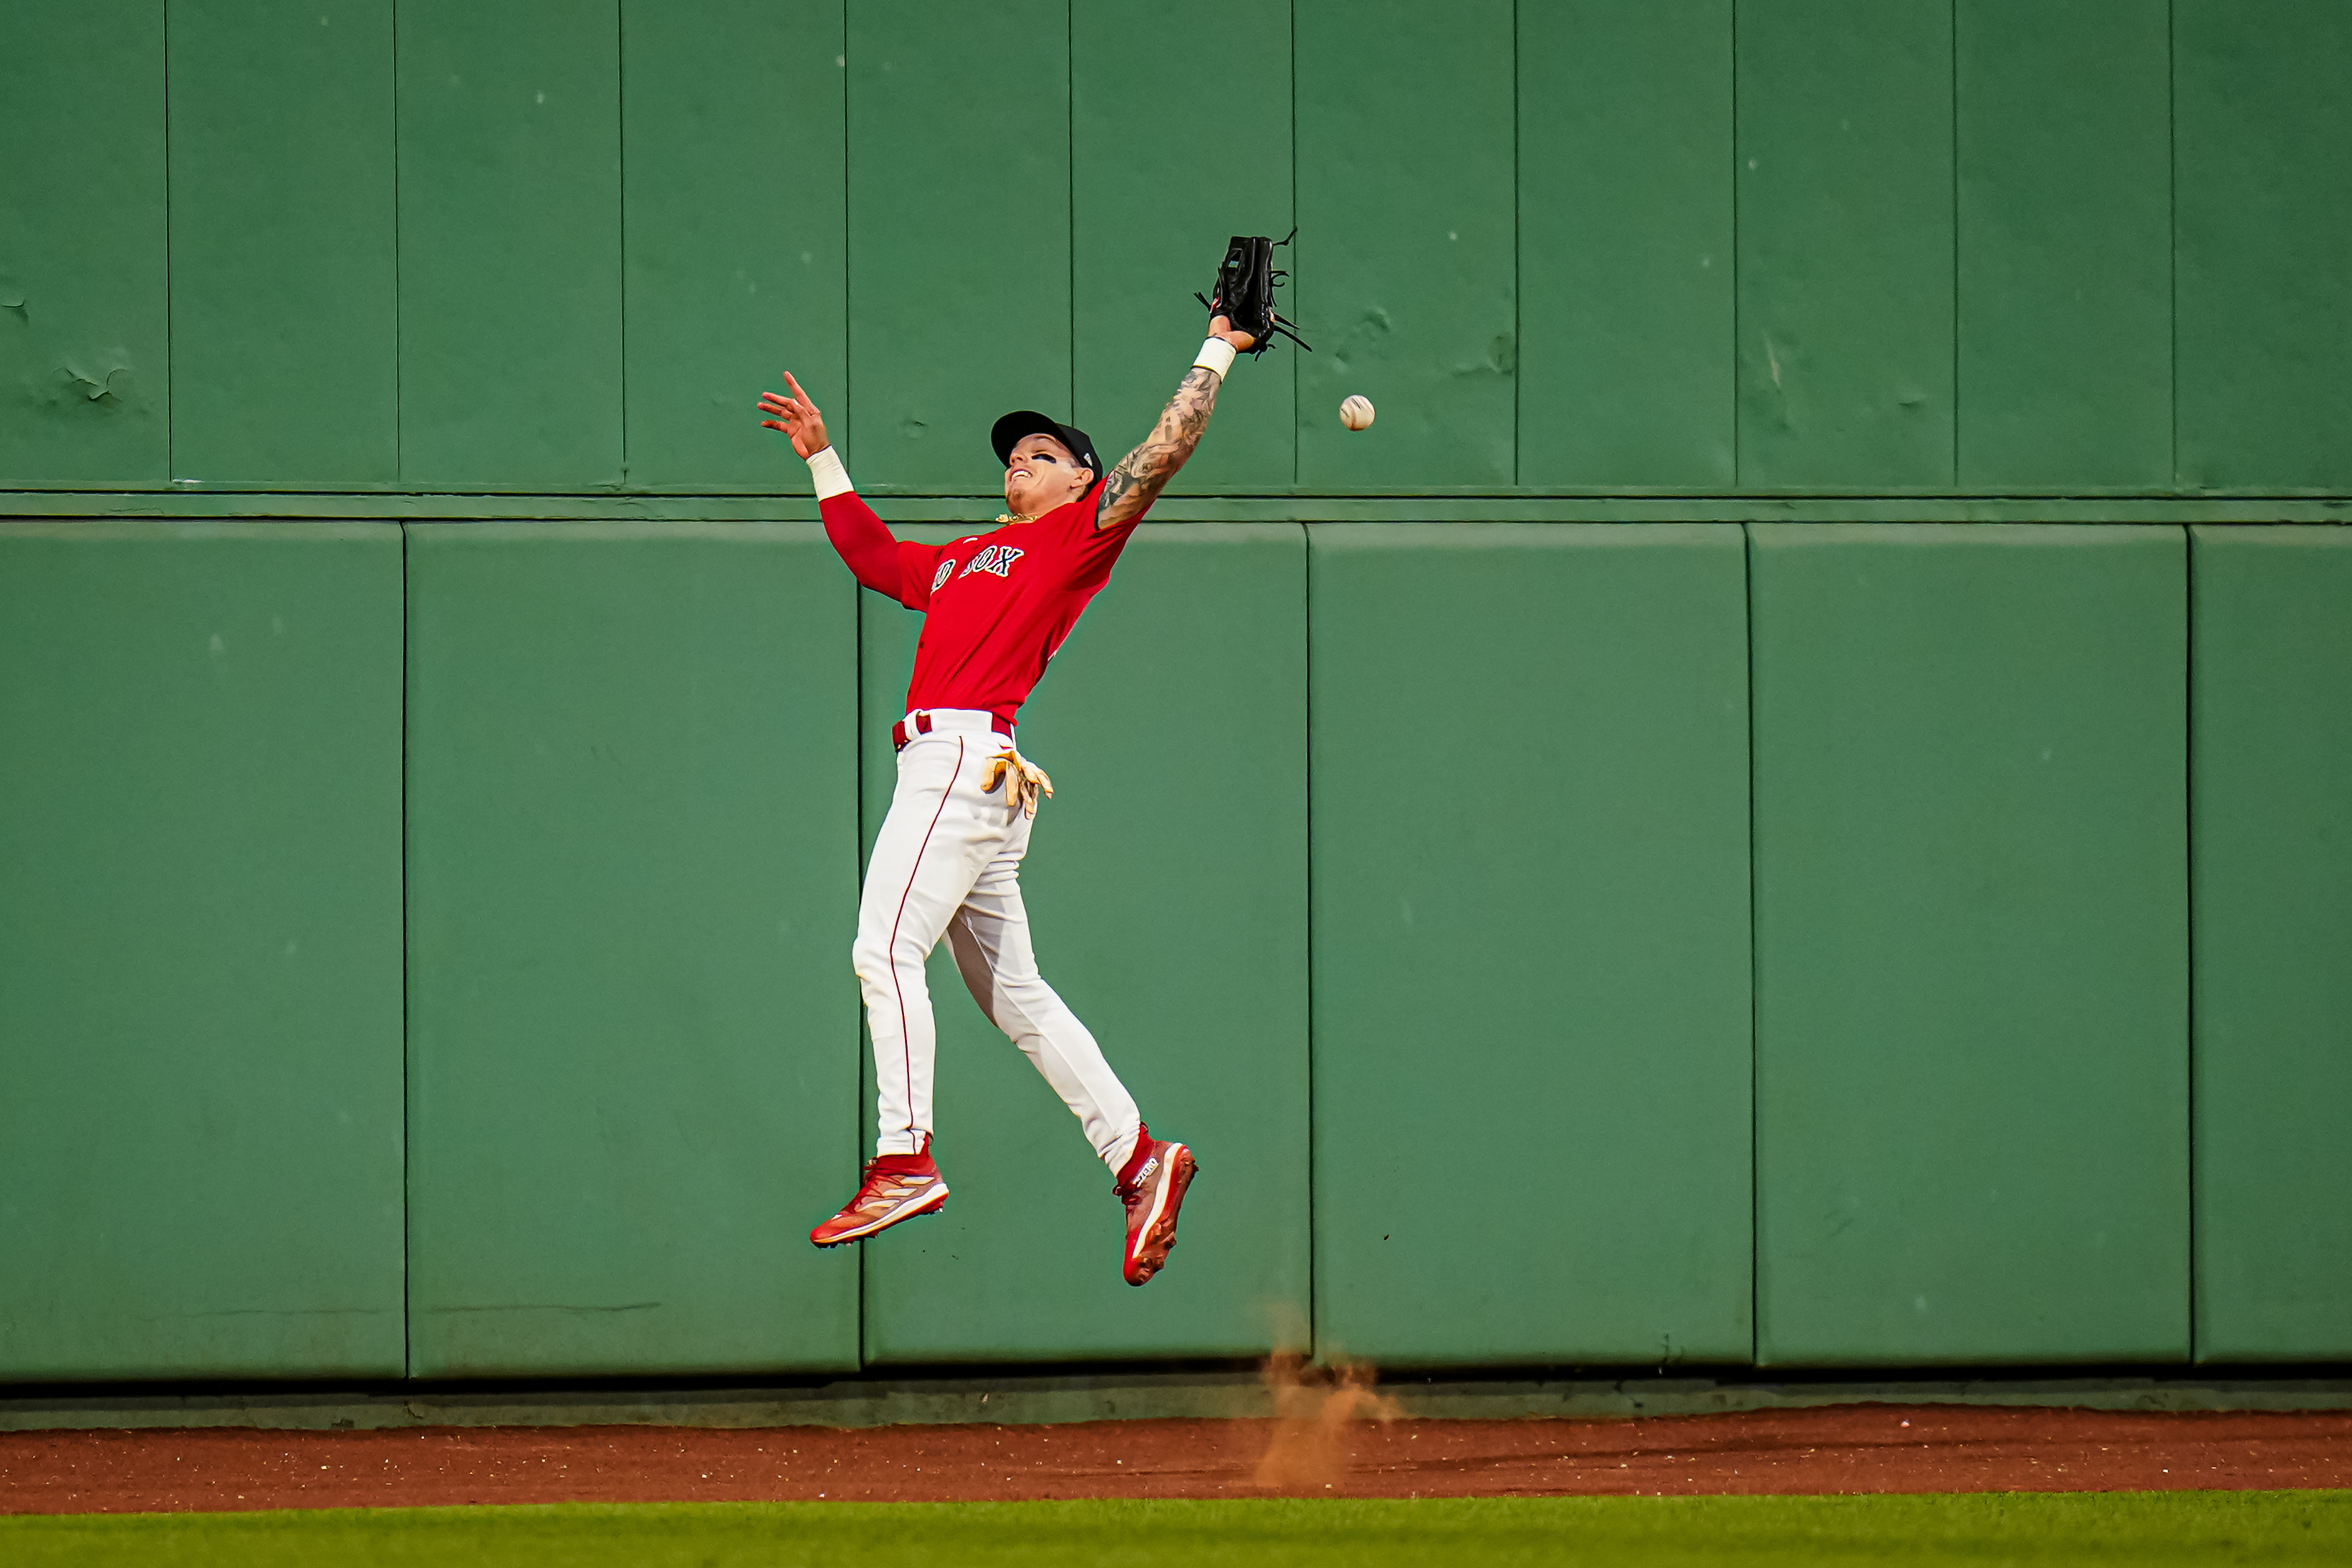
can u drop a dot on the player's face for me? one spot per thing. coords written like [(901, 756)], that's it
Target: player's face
[(1043, 475)]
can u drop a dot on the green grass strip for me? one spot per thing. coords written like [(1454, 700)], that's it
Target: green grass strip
[(2152, 1528)]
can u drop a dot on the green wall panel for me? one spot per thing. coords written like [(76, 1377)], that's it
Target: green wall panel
[(84, 305), (1407, 242), (509, 244), (200, 951), (732, 116), (1625, 254), (1530, 949), (2264, 162), (2065, 243), (959, 234), (1147, 228), (1845, 243), (1167, 887), (632, 844), (2273, 725), (1972, 944), (285, 287)]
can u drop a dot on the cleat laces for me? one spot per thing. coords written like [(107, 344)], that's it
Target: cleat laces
[(884, 1190)]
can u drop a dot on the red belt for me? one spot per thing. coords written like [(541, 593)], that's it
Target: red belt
[(898, 736)]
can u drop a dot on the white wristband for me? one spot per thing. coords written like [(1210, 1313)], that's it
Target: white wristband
[(832, 478), (1216, 357)]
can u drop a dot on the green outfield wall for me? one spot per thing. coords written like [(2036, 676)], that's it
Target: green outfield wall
[(426, 950), (1694, 247), (1783, 806)]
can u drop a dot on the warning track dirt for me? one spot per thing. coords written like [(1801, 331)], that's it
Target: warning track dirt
[(1843, 1449)]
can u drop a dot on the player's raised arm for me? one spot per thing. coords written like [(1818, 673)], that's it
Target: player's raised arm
[(866, 546), (1139, 477)]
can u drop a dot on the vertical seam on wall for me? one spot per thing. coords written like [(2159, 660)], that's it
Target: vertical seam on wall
[(857, 864), (621, 181), (1306, 628), (397, 471), (2172, 226), (2189, 886), (856, 723), (2188, 630), (1754, 966), (1734, 5), (407, 1304), (1952, 43), (171, 359)]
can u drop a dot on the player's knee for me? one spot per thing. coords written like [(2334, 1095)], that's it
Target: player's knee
[(869, 958), (874, 956), (1027, 997)]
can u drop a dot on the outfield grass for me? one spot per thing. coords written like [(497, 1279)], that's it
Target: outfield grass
[(1978, 1529)]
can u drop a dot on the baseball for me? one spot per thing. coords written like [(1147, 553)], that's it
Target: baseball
[(1356, 412)]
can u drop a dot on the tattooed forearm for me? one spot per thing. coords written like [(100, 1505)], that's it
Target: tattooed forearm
[(1141, 476)]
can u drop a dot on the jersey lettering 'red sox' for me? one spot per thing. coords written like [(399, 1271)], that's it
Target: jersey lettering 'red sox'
[(996, 606)]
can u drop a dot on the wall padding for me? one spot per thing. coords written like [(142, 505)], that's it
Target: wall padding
[(2273, 921), (1531, 954), (1972, 944), (200, 951), (633, 1034)]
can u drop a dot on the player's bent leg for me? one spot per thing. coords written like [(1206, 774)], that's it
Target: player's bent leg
[(990, 938)]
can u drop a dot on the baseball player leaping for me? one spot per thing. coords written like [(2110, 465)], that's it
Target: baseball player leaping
[(947, 863)]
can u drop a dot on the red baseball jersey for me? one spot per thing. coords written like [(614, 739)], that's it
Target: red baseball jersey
[(996, 605)]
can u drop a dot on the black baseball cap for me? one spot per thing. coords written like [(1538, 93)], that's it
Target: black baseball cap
[(1029, 421)]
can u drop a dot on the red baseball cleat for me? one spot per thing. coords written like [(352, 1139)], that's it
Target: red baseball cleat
[(896, 1187), (1152, 1186)]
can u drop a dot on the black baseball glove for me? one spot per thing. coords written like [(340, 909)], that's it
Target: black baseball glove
[(1244, 290)]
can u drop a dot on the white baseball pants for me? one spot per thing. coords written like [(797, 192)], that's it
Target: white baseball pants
[(948, 863)]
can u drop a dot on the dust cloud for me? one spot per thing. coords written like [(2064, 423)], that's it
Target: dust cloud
[(1313, 1408)]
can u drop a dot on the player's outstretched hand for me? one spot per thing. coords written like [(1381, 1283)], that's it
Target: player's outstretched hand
[(796, 416), (1222, 327)]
